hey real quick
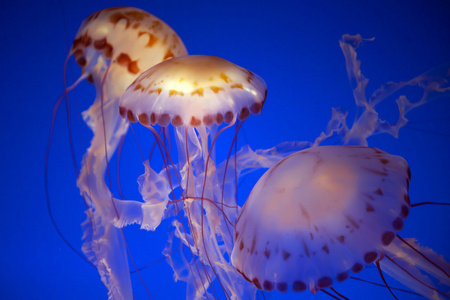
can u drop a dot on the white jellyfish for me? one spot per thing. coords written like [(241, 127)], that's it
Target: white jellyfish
[(324, 212)]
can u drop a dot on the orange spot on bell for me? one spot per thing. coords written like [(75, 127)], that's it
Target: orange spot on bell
[(100, 44), (250, 76), (86, 40), (81, 61), (175, 92), (225, 77), (122, 111), (237, 86), (228, 117), (76, 42), (131, 116), (133, 67), (198, 91), (153, 119), (216, 89), (208, 120), (123, 59), (107, 51), (77, 53), (177, 121), (244, 113), (143, 119), (90, 78), (195, 122), (155, 91), (219, 118), (256, 108)]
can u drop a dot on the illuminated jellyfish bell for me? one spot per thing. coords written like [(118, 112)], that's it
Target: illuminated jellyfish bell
[(195, 90), (195, 94), (318, 214), (130, 38), (323, 213), (113, 46)]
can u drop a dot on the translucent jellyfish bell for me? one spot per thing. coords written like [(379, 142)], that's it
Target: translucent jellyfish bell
[(131, 38), (322, 213), (318, 214), (193, 90)]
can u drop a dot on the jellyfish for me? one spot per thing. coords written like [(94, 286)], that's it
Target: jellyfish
[(324, 212), (200, 97), (327, 211), (113, 46)]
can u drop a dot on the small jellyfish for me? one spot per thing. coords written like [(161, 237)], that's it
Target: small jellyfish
[(322, 213), (113, 46)]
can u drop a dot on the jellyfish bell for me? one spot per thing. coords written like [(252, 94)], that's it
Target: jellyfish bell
[(323, 213), (193, 90), (319, 214), (130, 38)]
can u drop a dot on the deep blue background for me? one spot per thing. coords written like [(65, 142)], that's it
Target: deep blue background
[(292, 45)]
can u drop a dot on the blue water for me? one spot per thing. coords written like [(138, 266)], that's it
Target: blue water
[(292, 45)]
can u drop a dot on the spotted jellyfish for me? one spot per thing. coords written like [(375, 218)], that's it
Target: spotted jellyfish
[(113, 46), (200, 97), (324, 212)]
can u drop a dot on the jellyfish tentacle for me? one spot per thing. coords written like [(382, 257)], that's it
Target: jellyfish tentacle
[(339, 294), (329, 294), (47, 153), (429, 203), (402, 259), (202, 205), (187, 176), (166, 159), (424, 256), (248, 160), (196, 157), (99, 234), (233, 142), (369, 122), (417, 278), (384, 286), (383, 279)]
